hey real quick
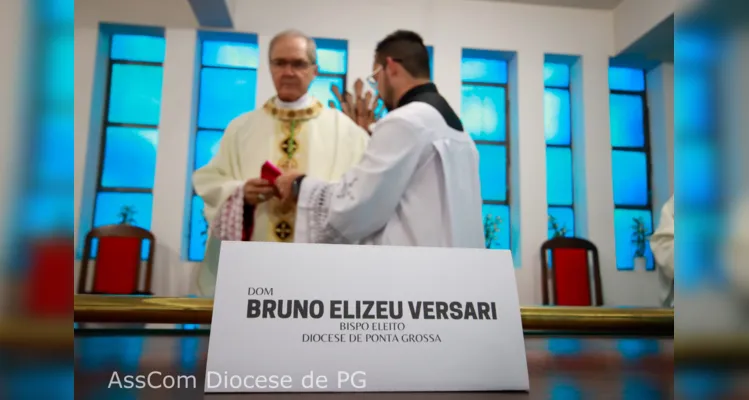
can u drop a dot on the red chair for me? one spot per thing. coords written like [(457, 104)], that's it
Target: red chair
[(570, 272), (118, 260), (49, 280)]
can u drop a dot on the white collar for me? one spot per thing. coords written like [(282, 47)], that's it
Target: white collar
[(301, 102)]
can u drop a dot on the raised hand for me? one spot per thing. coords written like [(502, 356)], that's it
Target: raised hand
[(360, 107)]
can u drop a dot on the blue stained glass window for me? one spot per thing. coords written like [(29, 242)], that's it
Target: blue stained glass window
[(48, 212), (630, 169), (224, 95), (228, 85), (109, 206), (321, 89), (695, 92), (627, 121), (59, 78), (623, 229), (135, 94), (55, 151), (198, 230), (699, 243), (129, 158), (557, 126), (206, 146), (56, 12), (483, 112), (493, 172), (626, 79), (330, 61), (559, 175), (138, 48), (229, 54), (564, 218), (558, 134), (630, 176), (332, 56), (430, 50), (698, 173), (484, 66), (556, 75), (501, 238)]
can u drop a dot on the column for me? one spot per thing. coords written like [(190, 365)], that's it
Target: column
[(174, 155), (529, 214), (599, 196), (660, 84)]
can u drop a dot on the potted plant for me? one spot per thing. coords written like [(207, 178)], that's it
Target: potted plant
[(491, 230), (126, 215), (639, 240), (204, 232), (554, 226)]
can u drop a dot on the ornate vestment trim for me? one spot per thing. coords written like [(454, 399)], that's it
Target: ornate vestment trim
[(288, 115), (320, 230), (228, 224)]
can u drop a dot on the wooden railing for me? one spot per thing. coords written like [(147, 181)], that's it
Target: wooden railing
[(536, 320)]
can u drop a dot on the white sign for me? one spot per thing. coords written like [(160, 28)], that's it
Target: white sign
[(339, 318)]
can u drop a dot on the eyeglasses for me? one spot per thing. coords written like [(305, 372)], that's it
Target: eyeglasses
[(297, 65), (372, 80)]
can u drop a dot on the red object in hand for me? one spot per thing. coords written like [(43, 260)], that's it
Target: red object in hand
[(270, 172)]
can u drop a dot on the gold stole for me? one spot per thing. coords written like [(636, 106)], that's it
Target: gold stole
[(291, 153)]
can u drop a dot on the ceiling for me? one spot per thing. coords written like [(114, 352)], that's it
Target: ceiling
[(657, 44), (591, 4), (174, 13)]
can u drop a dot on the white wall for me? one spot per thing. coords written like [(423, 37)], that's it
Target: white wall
[(660, 84), (12, 97), (448, 25), (634, 18)]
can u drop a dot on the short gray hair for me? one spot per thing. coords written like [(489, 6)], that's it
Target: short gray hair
[(293, 33)]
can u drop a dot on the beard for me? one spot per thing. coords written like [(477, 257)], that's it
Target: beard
[(387, 95)]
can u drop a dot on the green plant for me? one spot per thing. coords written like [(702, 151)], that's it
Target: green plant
[(639, 236), (554, 226), (204, 232), (491, 230), (126, 215)]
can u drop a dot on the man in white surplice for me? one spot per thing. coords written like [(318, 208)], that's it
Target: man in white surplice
[(418, 181), (294, 131)]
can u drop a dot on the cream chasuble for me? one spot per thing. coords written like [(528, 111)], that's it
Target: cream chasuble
[(318, 141)]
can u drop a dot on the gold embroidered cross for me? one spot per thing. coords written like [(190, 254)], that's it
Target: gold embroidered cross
[(283, 230), (289, 146)]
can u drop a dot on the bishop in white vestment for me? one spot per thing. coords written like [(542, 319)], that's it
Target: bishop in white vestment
[(662, 245), (296, 134)]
